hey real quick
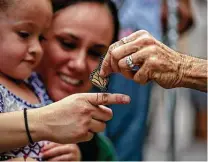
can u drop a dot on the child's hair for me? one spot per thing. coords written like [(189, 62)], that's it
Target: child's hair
[(5, 4)]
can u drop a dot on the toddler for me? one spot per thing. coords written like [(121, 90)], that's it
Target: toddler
[(22, 23)]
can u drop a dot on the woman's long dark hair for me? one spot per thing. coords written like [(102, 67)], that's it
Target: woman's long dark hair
[(61, 4)]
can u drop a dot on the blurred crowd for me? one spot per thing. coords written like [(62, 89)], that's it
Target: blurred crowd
[(191, 106)]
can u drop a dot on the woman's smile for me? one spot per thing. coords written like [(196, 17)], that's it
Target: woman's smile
[(70, 80)]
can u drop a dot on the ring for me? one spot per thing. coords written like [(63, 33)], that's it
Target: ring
[(129, 62), (124, 40)]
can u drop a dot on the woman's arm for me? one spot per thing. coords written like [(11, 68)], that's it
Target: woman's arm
[(70, 120)]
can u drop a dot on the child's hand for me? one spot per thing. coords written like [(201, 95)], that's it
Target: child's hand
[(61, 152), (22, 159)]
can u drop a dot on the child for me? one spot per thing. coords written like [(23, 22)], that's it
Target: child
[(22, 23)]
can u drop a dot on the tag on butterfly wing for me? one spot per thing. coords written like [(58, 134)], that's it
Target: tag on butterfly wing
[(101, 83)]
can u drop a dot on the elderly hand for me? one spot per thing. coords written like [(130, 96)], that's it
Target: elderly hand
[(155, 60), (74, 118), (61, 152)]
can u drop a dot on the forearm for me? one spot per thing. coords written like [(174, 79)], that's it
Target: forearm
[(13, 132), (194, 73)]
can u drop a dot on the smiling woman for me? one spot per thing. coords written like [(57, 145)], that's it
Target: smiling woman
[(73, 48)]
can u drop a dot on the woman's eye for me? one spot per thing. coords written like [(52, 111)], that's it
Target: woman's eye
[(95, 54), (23, 34), (41, 38), (68, 45)]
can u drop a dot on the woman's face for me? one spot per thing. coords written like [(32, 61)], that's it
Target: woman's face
[(79, 35)]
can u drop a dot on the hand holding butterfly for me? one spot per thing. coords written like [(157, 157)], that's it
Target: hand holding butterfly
[(156, 62)]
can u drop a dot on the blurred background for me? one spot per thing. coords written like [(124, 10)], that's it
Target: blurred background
[(179, 131), (191, 105)]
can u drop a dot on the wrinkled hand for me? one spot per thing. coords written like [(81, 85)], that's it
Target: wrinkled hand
[(156, 61), (75, 118), (61, 152)]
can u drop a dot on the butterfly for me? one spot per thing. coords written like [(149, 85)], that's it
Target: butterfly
[(101, 83)]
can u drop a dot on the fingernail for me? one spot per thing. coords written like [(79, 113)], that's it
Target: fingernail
[(126, 99)]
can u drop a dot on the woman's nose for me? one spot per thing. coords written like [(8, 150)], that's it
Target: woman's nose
[(79, 63)]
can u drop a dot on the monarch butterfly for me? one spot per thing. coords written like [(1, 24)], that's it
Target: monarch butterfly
[(101, 83)]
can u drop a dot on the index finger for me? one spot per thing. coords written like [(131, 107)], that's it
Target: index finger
[(107, 98), (106, 69)]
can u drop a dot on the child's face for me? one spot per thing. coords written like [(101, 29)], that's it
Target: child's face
[(21, 29)]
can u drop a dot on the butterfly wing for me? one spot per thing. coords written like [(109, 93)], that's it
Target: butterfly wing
[(101, 83)]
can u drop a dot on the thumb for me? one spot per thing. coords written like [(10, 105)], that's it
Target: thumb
[(106, 98)]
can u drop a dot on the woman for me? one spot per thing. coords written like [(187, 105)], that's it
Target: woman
[(71, 120), (158, 62), (72, 51)]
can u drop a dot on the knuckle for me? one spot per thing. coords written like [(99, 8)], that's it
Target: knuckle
[(125, 49), (140, 78), (86, 122), (141, 32), (111, 47), (141, 40), (120, 64), (104, 98), (152, 62), (69, 148), (113, 55), (117, 44), (83, 133), (73, 149), (153, 49), (59, 151), (135, 77), (105, 64), (86, 110), (148, 40), (120, 42)]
